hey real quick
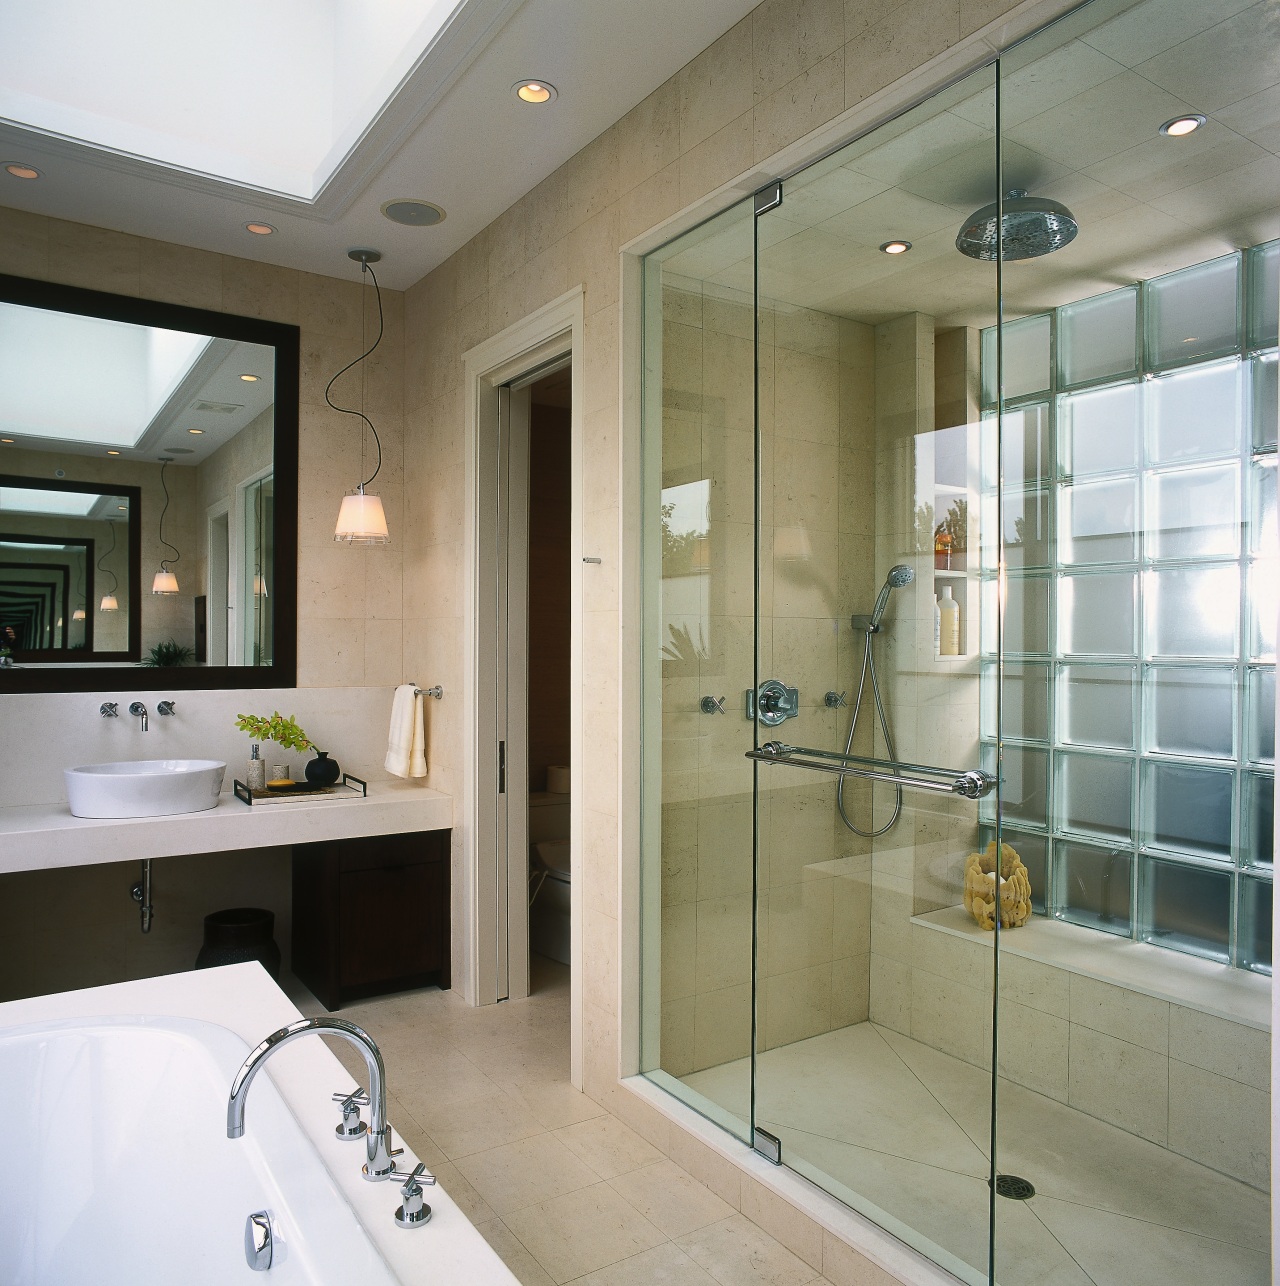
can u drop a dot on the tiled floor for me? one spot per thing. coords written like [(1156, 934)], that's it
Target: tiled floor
[(564, 1191), (904, 1130)]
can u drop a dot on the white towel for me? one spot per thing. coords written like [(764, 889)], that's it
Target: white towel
[(407, 738)]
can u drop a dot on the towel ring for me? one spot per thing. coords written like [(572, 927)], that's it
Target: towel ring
[(437, 692)]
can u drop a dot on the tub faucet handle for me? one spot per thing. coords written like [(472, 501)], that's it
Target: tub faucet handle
[(413, 1212), (165, 707), (351, 1126), (108, 710)]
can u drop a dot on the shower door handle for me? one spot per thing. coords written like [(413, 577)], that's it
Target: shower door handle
[(971, 783)]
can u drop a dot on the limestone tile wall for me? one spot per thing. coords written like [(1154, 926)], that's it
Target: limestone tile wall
[(815, 495), (1193, 1082), (350, 608)]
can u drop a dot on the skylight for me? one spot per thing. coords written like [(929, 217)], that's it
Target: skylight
[(270, 96), (86, 379)]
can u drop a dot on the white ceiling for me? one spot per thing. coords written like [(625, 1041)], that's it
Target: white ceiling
[(246, 113)]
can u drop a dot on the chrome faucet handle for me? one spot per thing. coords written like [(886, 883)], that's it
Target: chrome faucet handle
[(165, 707), (413, 1212), (108, 710), (711, 705), (351, 1126)]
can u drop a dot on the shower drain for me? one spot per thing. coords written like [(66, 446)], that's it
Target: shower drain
[(1009, 1185)]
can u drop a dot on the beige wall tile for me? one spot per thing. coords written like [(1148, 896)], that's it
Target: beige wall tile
[(1221, 1123), (1119, 1082), (24, 243), (1217, 1045), (801, 105), (796, 1231), (718, 158), (844, 1266), (791, 36), (1124, 1014), (707, 1166), (1034, 1049), (716, 87)]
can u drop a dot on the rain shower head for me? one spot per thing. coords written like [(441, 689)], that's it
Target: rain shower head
[(1033, 226), (899, 575)]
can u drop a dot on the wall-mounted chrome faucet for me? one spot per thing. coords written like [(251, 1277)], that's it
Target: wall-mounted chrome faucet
[(137, 708)]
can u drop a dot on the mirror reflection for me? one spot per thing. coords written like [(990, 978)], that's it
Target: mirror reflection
[(121, 436)]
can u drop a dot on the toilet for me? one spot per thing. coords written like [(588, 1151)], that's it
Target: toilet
[(549, 875)]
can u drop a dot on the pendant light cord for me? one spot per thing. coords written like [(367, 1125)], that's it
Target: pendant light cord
[(106, 571), (364, 267), (164, 562)]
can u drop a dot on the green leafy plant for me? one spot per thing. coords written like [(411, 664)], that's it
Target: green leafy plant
[(275, 727), (166, 655)]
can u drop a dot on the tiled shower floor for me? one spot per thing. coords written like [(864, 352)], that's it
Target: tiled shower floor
[(904, 1132)]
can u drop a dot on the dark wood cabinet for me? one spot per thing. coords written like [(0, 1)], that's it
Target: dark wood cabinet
[(371, 915)]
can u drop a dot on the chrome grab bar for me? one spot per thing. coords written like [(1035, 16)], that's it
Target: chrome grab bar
[(972, 783)]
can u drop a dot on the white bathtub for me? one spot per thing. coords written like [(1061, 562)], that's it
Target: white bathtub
[(116, 1166)]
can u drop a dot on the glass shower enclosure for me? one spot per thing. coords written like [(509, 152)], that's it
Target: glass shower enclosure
[(959, 660)]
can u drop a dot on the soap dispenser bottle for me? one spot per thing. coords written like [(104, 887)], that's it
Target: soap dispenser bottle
[(948, 624), (256, 777)]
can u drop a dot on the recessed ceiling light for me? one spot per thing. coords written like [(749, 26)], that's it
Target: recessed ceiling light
[(195, 430), (259, 229), (535, 91), (20, 170), (113, 452), (413, 213), (249, 379), (1182, 125), (896, 247)]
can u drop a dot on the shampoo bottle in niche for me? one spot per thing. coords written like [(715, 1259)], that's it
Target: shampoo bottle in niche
[(948, 624), (256, 776)]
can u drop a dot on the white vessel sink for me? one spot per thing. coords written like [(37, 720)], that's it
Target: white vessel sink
[(144, 787)]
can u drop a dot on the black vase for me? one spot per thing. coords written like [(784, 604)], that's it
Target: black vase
[(322, 771), (238, 936)]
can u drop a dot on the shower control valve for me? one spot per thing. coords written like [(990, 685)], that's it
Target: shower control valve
[(834, 700), (711, 705), (773, 703)]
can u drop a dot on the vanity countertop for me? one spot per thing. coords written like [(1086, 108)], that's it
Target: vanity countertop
[(41, 836)]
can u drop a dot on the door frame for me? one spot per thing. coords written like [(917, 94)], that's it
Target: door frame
[(549, 333)]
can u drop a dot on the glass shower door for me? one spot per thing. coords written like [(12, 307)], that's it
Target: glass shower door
[(874, 985)]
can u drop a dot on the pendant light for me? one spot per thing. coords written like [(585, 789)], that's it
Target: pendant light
[(165, 581), (361, 520), (109, 603)]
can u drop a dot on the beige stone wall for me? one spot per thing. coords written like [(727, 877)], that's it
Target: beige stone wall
[(350, 611), (816, 391)]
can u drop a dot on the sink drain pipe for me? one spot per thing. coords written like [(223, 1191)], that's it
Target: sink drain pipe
[(141, 892)]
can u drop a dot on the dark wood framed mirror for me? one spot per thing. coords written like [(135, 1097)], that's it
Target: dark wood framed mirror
[(148, 494)]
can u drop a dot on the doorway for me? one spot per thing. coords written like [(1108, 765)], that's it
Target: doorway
[(493, 831), (548, 590)]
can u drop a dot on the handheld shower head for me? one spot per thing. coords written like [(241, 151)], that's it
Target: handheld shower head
[(899, 575)]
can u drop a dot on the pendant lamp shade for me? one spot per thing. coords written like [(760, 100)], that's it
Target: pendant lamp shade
[(108, 604), (165, 582), (78, 614), (361, 520)]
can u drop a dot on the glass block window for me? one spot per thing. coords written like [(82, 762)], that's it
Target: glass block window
[(1138, 546)]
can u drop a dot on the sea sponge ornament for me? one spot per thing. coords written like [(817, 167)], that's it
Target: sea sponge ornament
[(981, 882)]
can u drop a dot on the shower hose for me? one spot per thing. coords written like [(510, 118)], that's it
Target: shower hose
[(869, 666)]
